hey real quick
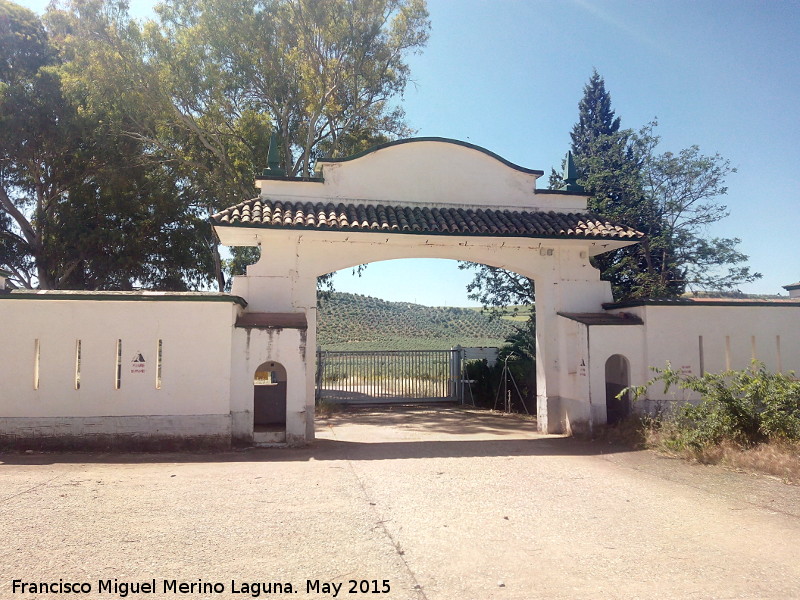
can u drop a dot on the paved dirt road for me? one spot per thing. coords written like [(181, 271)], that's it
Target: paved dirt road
[(442, 505)]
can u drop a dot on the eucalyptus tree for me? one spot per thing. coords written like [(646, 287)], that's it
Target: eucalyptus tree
[(328, 74), (27, 95), (78, 206), (208, 81)]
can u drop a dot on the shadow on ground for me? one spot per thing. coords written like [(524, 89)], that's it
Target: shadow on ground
[(445, 419), (444, 433)]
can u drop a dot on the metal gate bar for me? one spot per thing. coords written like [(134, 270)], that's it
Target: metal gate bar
[(388, 376)]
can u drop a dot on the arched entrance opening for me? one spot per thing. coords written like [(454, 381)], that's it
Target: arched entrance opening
[(269, 403), (617, 379), (404, 331)]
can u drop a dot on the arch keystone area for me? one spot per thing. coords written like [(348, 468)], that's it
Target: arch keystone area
[(424, 198)]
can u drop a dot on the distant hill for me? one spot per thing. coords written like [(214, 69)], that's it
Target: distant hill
[(356, 322), (514, 312)]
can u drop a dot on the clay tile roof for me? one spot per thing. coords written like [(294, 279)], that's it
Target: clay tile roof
[(260, 212)]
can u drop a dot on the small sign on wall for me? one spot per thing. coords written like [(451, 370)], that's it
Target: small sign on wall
[(138, 364), (582, 368), (686, 370)]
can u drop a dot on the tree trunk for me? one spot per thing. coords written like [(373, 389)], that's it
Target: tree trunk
[(218, 274), (310, 133)]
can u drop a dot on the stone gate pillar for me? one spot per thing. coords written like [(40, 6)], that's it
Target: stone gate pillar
[(558, 411), (275, 285)]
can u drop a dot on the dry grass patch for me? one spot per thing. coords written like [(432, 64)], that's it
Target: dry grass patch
[(632, 432), (326, 408), (748, 420), (779, 459)]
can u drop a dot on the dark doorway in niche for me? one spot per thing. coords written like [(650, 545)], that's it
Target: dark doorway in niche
[(617, 379), (269, 398)]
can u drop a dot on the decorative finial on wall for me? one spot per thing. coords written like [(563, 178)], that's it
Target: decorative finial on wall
[(571, 176), (273, 160)]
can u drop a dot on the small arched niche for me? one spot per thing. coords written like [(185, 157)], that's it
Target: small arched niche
[(617, 379), (269, 397)]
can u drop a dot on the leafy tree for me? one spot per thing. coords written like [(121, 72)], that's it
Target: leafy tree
[(683, 188), (78, 209), (109, 66), (24, 47), (24, 52), (495, 288), (321, 76), (194, 96), (671, 198), (518, 354), (610, 162), (221, 77)]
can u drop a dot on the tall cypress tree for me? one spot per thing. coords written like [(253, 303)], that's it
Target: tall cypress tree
[(596, 118), (610, 160), (669, 197)]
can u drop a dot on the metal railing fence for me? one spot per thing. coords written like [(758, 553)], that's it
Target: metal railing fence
[(388, 376)]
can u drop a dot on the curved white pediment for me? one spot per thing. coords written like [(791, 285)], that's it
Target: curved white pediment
[(428, 172)]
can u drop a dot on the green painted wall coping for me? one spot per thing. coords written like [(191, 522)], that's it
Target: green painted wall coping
[(294, 179), (508, 163), (109, 296), (701, 302)]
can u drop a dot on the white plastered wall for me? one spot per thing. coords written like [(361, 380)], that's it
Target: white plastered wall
[(193, 398), (583, 352), (573, 362), (604, 342), (732, 336), (430, 173)]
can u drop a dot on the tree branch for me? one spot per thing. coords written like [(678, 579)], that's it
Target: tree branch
[(24, 224)]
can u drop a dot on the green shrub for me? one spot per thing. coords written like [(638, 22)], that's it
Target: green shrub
[(744, 407), (488, 384)]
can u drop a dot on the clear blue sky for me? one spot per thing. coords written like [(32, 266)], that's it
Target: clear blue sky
[(508, 74)]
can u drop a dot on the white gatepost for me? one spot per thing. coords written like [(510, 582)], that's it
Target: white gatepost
[(274, 286)]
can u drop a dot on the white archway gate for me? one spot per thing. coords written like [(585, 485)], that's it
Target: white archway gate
[(419, 198)]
